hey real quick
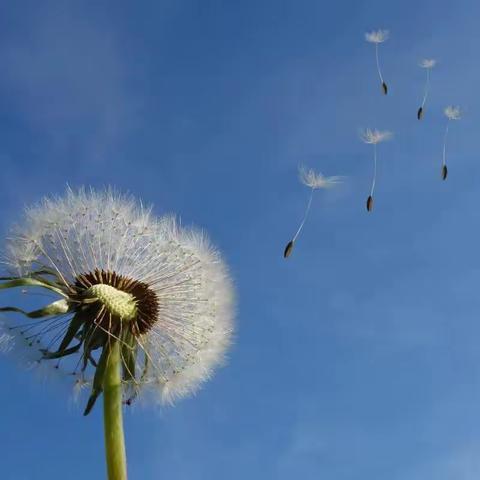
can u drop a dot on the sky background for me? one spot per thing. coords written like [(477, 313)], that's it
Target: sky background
[(356, 358)]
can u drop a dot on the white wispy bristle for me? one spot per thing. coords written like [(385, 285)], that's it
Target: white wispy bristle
[(453, 112), (377, 36), (316, 180), (375, 136), (427, 63)]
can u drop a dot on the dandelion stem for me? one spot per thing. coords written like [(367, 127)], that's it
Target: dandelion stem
[(378, 63), (374, 179), (307, 210), (427, 86), (112, 415), (445, 143)]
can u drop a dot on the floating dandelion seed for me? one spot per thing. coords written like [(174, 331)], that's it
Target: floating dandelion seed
[(373, 137), (144, 304), (427, 64), (452, 113), (377, 37), (314, 181)]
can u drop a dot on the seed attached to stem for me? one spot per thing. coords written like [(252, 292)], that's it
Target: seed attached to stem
[(314, 181), (377, 37), (373, 137), (452, 113), (427, 64)]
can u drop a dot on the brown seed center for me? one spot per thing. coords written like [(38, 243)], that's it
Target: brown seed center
[(146, 302)]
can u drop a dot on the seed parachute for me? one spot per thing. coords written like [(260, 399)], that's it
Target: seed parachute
[(377, 37), (373, 137), (452, 113), (427, 64), (314, 181)]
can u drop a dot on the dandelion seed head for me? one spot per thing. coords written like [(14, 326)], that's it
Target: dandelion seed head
[(427, 63), (453, 112), (377, 36), (317, 180), (374, 136), (159, 287)]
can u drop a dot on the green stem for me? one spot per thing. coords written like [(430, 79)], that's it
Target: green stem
[(112, 416)]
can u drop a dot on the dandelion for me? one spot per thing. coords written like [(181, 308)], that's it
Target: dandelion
[(142, 304), (314, 181), (452, 113), (377, 37), (427, 64), (373, 137)]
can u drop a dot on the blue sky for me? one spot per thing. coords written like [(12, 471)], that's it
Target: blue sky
[(355, 359)]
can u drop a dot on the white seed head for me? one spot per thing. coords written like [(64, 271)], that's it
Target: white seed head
[(377, 36), (453, 112), (315, 180), (88, 232), (375, 136), (427, 63)]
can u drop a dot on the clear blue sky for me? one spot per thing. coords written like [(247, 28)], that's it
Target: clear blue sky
[(358, 357)]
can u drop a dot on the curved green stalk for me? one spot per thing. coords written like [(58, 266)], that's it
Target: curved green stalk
[(112, 415)]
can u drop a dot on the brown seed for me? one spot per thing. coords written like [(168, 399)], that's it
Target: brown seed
[(288, 249), (384, 88), (444, 172), (369, 203), (420, 113)]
